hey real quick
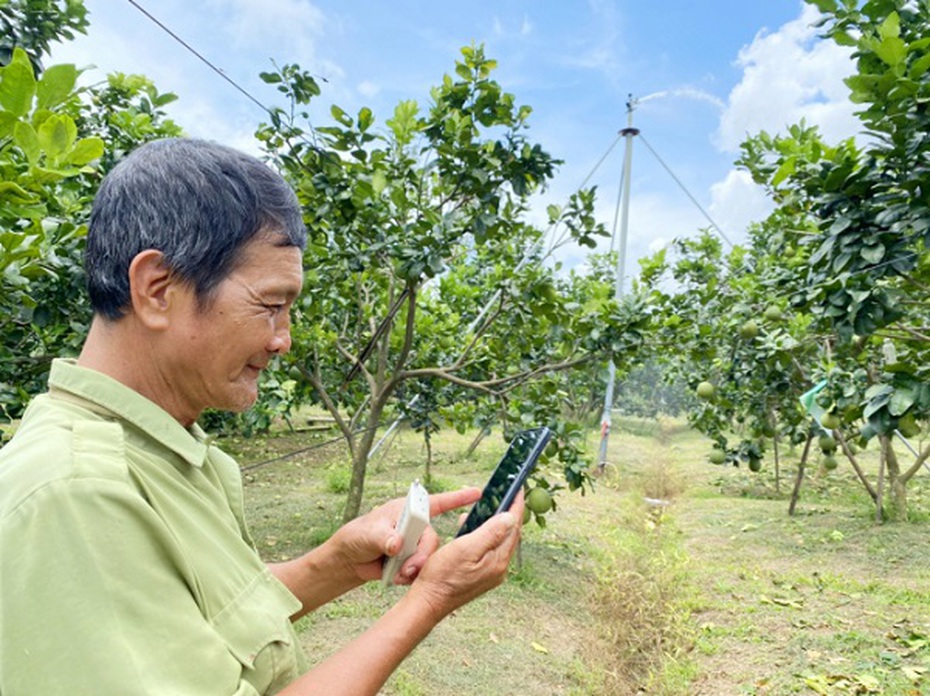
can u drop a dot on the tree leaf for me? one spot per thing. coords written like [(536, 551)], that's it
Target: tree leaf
[(787, 168), (56, 137), (7, 120), (378, 181), (86, 150), (55, 85), (341, 116), (891, 27), (17, 88), (25, 138), (825, 6), (919, 67), (13, 192), (892, 51), (873, 254), (365, 118), (900, 401)]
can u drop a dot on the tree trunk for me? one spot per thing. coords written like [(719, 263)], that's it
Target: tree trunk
[(896, 487), (428, 476), (796, 492), (474, 443), (777, 469), (882, 459), (356, 485), (360, 464)]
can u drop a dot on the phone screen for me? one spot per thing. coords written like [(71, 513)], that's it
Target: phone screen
[(508, 477)]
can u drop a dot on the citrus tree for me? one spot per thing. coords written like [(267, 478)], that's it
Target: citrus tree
[(33, 25), (867, 210), (725, 329), (422, 267), (52, 152)]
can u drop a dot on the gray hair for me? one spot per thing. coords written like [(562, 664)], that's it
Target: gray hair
[(197, 202)]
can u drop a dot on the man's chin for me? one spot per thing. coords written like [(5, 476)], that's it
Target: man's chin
[(244, 399)]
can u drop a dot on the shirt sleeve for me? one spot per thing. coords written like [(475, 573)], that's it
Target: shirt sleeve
[(95, 599)]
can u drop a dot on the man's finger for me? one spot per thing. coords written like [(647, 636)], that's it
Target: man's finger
[(443, 502)]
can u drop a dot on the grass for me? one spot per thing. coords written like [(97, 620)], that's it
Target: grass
[(673, 577)]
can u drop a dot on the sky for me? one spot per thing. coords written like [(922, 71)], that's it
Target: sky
[(703, 75)]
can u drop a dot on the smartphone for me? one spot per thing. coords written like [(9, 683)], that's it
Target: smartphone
[(508, 478)]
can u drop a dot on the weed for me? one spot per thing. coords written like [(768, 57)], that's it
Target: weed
[(642, 605), (319, 535), (405, 684), (338, 478), (522, 572), (661, 482)]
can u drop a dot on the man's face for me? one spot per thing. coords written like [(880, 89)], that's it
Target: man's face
[(220, 351)]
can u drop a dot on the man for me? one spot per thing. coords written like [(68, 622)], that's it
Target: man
[(125, 564)]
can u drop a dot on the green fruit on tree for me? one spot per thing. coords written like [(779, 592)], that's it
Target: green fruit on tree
[(755, 465), (706, 390), (539, 500), (295, 374), (717, 456), (827, 444), (830, 463), (527, 515), (749, 330), (830, 420), (853, 448), (908, 425), (772, 313)]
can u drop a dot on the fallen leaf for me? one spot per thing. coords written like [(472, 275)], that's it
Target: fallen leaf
[(540, 648)]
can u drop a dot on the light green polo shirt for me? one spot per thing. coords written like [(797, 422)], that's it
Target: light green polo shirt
[(125, 563)]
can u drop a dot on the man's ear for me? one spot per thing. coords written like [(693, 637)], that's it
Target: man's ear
[(151, 283)]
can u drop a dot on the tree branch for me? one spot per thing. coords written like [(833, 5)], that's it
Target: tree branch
[(915, 467), (386, 323), (855, 464), (409, 331), (494, 386), (315, 378), (480, 330), (357, 366)]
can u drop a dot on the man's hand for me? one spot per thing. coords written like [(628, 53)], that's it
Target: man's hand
[(362, 543), (470, 565)]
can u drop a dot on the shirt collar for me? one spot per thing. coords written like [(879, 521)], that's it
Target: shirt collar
[(115, 397)]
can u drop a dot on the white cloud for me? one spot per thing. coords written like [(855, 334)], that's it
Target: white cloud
[(736, 202), (122, 54), (369, 89), (288, 26), (790, 75), (197, 110)]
